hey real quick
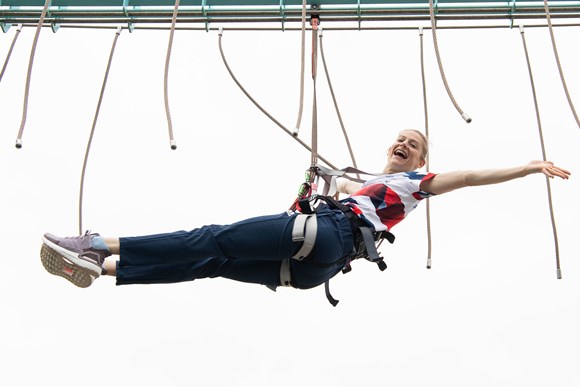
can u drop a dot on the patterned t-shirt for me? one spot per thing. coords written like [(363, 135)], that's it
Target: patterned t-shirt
[(386, 200)]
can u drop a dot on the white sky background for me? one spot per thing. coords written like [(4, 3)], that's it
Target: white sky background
[(489, 312)]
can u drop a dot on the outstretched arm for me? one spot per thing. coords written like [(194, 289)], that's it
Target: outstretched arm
[(450, 181)]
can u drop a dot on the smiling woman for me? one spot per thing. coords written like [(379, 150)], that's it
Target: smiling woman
[(269, 250)]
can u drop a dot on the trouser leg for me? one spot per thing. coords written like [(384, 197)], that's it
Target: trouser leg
[(249, 251)]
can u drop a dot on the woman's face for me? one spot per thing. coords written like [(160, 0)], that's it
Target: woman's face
[(406, 154)]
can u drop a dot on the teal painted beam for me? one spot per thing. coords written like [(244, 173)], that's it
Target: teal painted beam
[(283, 11)]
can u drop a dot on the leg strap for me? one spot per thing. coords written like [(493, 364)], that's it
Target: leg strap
[(304, 230)]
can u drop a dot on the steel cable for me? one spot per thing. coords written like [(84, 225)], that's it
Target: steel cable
[(439, 62), (336, 104), (166, 77), (428, 206), (302, 65), (549, 20), (81, 194), (10, 51), (549, 190), (261, 108), (29, 74)]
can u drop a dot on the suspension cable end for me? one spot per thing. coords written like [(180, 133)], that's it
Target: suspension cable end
[(521, 29), (221, 31), (559, 273), (429, 263), (173, 145), (295, 132), (18, 144), (466, 117), (320, 33), (421, 31)]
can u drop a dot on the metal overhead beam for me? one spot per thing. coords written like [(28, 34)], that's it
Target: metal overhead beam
[(284, 11)]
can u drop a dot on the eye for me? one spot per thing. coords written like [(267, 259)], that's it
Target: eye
[(413, 145)]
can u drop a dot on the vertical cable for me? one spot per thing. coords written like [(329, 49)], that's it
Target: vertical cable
[(549, 190), (166, 77), (302, 64), (93, 130), (443, 77), (549, 19), (314, 158), (336, 104), (428, 207), (10, 51), (29, 74)]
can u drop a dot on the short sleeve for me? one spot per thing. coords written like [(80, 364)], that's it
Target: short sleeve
[(415, 180)]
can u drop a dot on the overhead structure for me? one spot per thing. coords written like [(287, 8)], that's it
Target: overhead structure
[(132, 12)]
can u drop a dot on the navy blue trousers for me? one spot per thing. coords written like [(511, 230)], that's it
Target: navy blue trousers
[(249, 251)]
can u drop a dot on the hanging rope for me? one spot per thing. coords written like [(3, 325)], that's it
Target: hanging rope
[(434, 30), (29, 74), (549, 20), (549, 190), (260, 107), (10, 51), (428, 207), (302, 64), (336, 104), (93, 130), (166, 77)]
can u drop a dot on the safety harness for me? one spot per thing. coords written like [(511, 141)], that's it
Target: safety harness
[(305, 226)]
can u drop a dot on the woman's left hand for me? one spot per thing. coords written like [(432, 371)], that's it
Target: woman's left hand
[(549, 169)]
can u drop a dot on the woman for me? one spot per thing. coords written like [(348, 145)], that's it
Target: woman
[(255, 250)]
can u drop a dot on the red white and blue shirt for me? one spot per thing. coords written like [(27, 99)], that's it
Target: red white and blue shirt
[(386, 200)]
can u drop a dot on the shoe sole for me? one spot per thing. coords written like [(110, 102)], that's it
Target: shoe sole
[(74, 258), (59, 265)]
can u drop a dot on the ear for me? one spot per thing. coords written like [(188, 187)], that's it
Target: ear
[(421, 164)]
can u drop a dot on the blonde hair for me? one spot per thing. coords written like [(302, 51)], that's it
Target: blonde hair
[(424, 142)]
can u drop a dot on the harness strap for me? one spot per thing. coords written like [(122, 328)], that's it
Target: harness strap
[(285, 276), (304, 230)]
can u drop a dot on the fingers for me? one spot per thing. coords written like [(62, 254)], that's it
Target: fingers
[(551, 171)]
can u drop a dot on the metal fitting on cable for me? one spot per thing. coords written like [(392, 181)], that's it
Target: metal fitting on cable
[(466, 117), (173, 144)]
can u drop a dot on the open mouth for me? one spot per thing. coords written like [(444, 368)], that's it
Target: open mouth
[(400, 153)]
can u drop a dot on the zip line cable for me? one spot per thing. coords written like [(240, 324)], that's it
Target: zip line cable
[(549, 20), (166, 77), (428, 202), (549, 190), (93, 130), (10, 51), (443, 77), (261, 108), (29, 74)]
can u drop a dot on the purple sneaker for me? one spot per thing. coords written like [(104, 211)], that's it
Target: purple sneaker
[(73, 258)]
